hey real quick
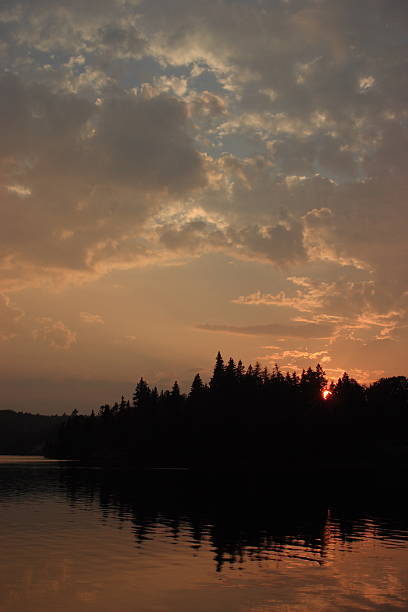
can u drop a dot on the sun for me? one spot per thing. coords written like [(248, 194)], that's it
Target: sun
[(326, 394)]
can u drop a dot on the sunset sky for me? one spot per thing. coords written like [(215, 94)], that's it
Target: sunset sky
[(179, 177)]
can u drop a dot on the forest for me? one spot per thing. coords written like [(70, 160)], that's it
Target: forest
[(246, 418), (22, 433)]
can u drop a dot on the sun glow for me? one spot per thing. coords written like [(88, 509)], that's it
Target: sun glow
[(326, 394)]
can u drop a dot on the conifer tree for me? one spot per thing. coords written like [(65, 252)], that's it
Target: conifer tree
[(312, 383), (175, 391), (295, 379), (197, 388), (257, 370), (230, 369), (122, 405), (141, 395), (240, 369), (277, 375), (264, 376), (348, 391), (321, 379), (104, 411), (218, 374)]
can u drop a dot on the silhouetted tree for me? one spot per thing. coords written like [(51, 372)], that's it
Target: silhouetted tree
[(218, 374), (240, 370), (244, 418), (197, 388), (142, 394), (175, 391)]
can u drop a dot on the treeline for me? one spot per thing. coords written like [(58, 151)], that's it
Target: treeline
[(245, 418), (22, 433)]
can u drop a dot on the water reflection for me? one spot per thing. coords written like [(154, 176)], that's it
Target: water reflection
[(244, 520), (171, 541)]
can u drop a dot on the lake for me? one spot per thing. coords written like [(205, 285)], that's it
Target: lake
[(79, 539)]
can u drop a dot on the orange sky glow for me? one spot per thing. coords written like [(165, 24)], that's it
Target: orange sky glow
[(181, 178)]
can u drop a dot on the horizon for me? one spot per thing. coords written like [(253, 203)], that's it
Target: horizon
[(114, 390)]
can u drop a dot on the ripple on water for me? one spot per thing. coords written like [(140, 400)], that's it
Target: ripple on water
[(78, 540)]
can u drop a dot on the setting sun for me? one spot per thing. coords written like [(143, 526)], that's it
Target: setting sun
[(326, 394)]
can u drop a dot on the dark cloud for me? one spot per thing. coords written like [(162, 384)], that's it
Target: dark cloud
[(78, 177), (122, 42), (278, 330), (193, 237), (71, 26), (145, 142), (277, 244)]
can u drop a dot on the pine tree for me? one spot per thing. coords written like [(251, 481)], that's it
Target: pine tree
[(295, 379), (218, 374), (321, 379), (276, 375), (122, 405), (175, 391), (230, 369), (197, 388), (312, 382), (348, 391), (141, 395), (154, 395), (265, 376), (257, 370), (240, 369), (104, 411)]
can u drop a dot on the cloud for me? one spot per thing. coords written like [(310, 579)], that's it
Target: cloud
[(15, 323), (148, 132), (90, 176), (91, 319), (101, 27), (336, 297), (10, 318), (296, 359), (354, 307), (277, 244), (281, 330), (19, 190), (196, 236), (54, 333), (326, 113), (202, 232), (144, 142)]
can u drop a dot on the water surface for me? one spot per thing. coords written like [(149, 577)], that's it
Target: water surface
[(75, 539)]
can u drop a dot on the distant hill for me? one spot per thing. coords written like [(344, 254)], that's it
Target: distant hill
[(22, 433)]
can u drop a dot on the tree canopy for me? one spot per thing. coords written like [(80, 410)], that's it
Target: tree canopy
[(245, 416)]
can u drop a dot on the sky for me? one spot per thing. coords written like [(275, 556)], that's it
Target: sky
[(178, 178)]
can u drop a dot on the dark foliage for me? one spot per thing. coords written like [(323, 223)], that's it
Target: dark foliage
[(26, 434), (245, 419)]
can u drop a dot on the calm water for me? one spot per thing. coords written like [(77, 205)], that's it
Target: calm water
[(76, 539)]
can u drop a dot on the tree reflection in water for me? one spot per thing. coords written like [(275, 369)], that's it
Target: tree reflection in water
[(246, 519)]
